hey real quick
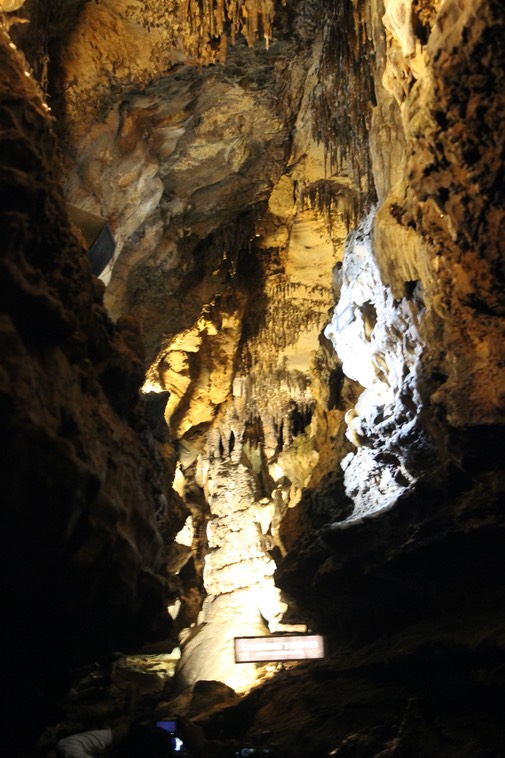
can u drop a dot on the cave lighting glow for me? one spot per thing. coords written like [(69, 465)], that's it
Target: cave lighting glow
[(187, 533)]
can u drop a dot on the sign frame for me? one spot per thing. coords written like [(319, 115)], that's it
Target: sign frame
[(280, 643)]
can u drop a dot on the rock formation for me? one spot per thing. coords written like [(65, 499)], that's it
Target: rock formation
[(297, 354)]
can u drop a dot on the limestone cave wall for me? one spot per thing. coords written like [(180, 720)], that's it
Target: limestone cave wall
[(412, 328), (296, 354), (87, 495)]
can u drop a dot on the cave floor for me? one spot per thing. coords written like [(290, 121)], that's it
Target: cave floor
[(433, 689)]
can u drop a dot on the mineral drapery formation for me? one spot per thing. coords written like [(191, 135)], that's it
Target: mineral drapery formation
[(300, 358)]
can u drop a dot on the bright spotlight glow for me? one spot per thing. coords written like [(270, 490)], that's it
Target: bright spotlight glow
[(187, 533), (150, 386)]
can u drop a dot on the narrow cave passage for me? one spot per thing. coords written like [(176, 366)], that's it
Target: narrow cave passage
[(259, 349), (280, 407)]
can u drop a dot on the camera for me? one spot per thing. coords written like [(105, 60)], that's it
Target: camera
[(170, 726)]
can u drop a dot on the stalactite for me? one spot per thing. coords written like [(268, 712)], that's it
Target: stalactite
[(274, 401), (344, 96), (205, 21), (328, 198), (292, 308)]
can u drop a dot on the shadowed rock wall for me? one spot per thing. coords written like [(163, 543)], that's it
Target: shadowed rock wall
[(84, 489)]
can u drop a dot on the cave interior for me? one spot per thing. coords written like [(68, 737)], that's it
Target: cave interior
[(252, 376)]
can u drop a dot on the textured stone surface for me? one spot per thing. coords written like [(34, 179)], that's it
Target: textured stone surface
[(366, 464), (225, 257), (84, 489), (425, 477)]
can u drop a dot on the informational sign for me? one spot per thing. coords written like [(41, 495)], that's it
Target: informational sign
[(344, 318), (285, 647)]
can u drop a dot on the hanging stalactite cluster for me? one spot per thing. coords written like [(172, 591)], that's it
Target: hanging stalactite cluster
[(291, 308), (267, 405), (209, 24), (344, 96), (279, 402), (329, 198)]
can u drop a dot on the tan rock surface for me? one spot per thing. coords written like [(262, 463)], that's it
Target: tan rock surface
[(368, 469)]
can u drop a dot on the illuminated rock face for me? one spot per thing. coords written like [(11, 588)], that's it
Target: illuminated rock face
[(379, 343), (226, 242), (6, 6), (211, 179), (414, 325)]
